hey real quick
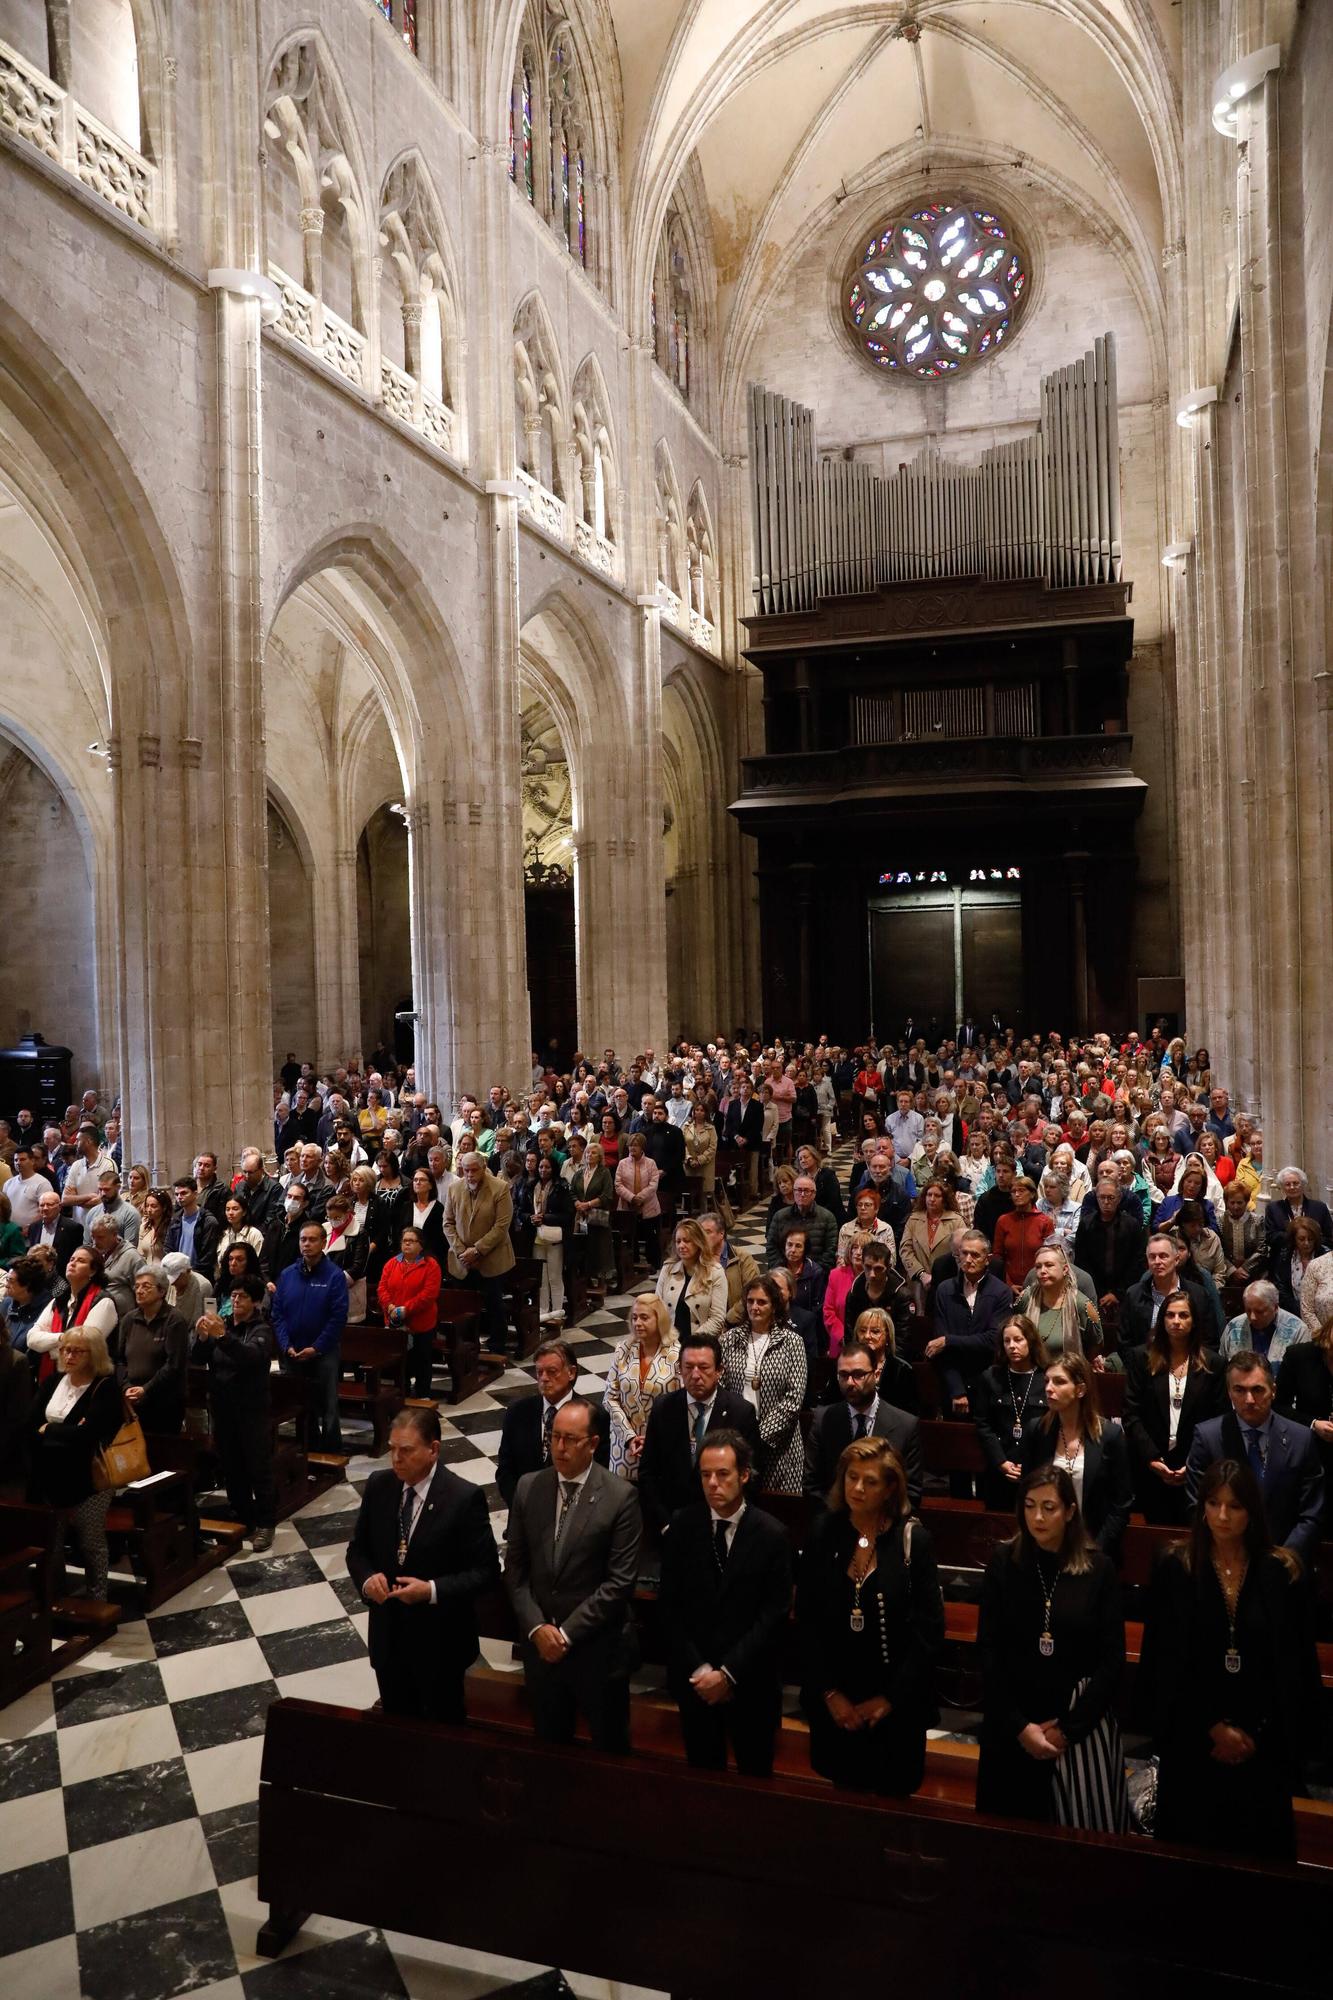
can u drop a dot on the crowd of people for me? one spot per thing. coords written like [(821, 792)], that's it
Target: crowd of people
[(981, 1226)]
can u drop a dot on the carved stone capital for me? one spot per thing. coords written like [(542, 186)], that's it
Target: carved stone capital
[(150, 752), (312, 222), (192, 752)]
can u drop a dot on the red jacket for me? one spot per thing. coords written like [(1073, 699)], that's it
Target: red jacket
[(416, 1287), (1018, 1238)]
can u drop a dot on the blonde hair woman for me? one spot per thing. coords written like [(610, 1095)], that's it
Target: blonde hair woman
[(644, 1366), (692, 1285), (1067, 1322), (75, 1414), (137, 1183)]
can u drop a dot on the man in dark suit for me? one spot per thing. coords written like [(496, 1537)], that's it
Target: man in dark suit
[(725, 1600), (1111, 1243), (421, 1554), (192, 1230), (677, 1426), (54, 1227), (1283, 1456), (968, 1311), (571, 1564), (863, 1412), (1295, 1199), (1143, 1301), (525, 1436)]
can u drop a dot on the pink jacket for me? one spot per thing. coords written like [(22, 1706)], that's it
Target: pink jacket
[(648, 1179)]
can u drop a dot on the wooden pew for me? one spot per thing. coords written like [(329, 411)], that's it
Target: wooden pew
[(459, 1340), (350, 1802), (377, 1357), (523, 1290)]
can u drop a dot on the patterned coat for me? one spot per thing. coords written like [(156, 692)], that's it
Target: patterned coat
[(782, 1375), (629, 1401)]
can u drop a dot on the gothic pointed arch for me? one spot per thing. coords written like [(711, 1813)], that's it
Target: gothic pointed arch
[(563, 119), (672, 571), (316, 210), (541, 400), (682, 300), (701, 557), (421, 325), (597, 497)]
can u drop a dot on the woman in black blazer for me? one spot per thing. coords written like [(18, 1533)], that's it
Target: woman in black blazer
[(871, 1623), (74, 1415), (1052, 1641), (1174, 1384), (1008, 1400), (1305, 1394), (427, 1217), (1074, 1435), (1229, 1681)]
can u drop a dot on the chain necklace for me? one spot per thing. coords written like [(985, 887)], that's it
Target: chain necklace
[(1046, 1644), (1231, 1591), (1020, 1408), (863, 1564)]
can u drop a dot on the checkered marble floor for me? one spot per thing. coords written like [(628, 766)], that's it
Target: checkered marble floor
[(128, 1786)]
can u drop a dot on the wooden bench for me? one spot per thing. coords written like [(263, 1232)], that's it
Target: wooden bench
[(342, 1832), (377, 1359), (523, 1291), (458, 1340)]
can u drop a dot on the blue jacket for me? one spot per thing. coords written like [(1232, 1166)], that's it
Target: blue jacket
[(1293, 1484), (309, 1308)]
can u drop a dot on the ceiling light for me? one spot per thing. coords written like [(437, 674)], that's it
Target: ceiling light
[(1237, 82), (249, 285), (1189, 406)]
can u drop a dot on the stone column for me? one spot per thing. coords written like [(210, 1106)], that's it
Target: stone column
[(312, 264)]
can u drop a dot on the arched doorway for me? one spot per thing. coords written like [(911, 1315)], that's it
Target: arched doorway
[(384, 934), (291, 944), (548, 882)]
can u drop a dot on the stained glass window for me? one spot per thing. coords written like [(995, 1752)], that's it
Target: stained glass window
[(405, 14), (582, 208), (526, 88), (564, 188), (936, 289)]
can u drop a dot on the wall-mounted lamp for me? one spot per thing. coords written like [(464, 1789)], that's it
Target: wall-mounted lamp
[(1237, 82), (100, 751), (507, 489), (653, 600), (1176, 554), (250, 285), (1188, 408), (399, 811)]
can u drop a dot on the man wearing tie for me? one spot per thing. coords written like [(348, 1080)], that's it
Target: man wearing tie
[(863, 1412), (726, 1596), (571, 1564), (421, 1554), (525, 1437), (679, 1422), (1283, 1456)]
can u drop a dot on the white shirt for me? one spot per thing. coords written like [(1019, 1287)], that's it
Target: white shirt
[(561, 1483), (24, 1197), (678, 1110), (1075, 1470), (1175, 1398), (63, 1398), (421, 1489), (84, 1175), (732, 1521)]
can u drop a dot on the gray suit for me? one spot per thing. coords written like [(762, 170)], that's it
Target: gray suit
[(584, 1587)]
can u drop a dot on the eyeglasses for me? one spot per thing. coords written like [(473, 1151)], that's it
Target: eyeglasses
[(855, 1374)]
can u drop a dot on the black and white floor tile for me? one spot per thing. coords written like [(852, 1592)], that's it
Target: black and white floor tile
[(128, 1786)]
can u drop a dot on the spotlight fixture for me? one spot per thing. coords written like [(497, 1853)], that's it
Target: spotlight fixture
[(1237, 83), (1188, 408), (1176, 554), (249, 285)]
